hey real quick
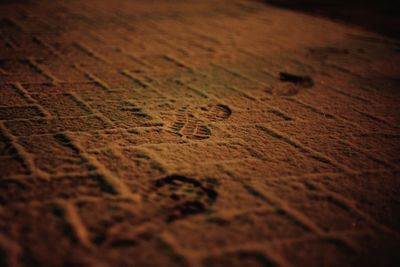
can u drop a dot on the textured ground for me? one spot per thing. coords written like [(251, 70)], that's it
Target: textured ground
[(195, 133)]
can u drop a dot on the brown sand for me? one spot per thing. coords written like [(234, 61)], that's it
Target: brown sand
[(195, 133)]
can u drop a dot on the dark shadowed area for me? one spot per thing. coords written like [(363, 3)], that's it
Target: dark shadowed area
[(380, 16)]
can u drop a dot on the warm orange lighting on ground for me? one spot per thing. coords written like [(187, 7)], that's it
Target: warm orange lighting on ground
[(195, 133)]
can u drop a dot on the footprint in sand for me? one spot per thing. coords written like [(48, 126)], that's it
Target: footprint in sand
[(184, 196), (217, 113), (190, 123)]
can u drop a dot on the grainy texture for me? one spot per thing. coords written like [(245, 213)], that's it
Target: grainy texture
[(195, 133)]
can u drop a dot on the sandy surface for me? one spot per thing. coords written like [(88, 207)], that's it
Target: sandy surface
[(195, 133)]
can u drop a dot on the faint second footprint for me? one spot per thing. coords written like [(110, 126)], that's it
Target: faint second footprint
[(292, 84)]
